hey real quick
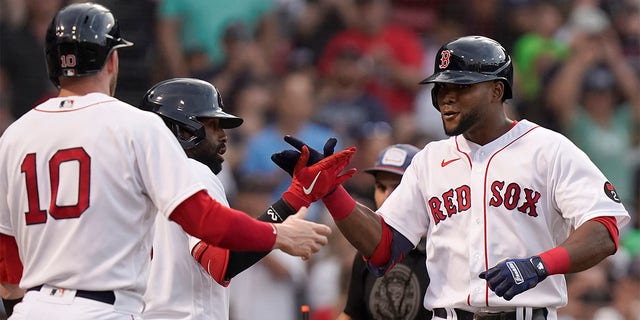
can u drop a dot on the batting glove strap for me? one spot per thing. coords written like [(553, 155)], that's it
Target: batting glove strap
[(539, 266), (514, 276)]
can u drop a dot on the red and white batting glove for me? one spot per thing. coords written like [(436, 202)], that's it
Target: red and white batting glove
[(314, 182)]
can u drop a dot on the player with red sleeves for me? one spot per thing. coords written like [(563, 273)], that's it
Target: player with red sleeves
[(508, 207), (84, 175)]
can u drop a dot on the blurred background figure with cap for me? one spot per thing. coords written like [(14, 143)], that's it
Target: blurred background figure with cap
[(399, 294)]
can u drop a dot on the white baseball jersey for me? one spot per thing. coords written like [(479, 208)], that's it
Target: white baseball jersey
[(82, 180), (178, 287), (514, 197)]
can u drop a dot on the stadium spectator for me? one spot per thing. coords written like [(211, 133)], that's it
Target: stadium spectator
[(394, 55)]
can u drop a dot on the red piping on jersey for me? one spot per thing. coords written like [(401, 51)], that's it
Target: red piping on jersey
[(484, 210), (76, 109), (513, 124), (465, 154)]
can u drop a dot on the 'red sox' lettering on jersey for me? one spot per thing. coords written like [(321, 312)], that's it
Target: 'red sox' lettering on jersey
[(453, 201), (511, 197)]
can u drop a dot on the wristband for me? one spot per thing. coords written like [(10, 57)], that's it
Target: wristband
[(277, 212), (339, 203), (556, 260)]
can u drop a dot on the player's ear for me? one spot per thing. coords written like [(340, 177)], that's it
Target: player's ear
[(112, 62), (497, 91)]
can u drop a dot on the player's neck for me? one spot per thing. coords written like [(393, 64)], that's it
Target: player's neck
[(487, 133), (81, 89)]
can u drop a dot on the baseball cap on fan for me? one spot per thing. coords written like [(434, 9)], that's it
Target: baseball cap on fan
[(394, 159)]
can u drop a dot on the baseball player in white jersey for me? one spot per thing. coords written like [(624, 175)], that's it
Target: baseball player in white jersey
[(84, 176), (497, 201), (178, 286), (189, 278)]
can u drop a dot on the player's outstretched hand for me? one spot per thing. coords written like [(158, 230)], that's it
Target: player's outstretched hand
[(287, 159), (299, 237), (314, 182), (514, 276)]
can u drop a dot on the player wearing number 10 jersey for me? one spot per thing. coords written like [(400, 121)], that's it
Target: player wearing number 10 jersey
[(83, 177)]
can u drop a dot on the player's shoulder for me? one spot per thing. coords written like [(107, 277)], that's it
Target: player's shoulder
[(541, 134), (543, 142), (129, 119), (199, 168), (119, 108), (128, 115), (214, 186)]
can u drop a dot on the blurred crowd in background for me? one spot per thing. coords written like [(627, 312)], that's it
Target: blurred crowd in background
[(350, 69)]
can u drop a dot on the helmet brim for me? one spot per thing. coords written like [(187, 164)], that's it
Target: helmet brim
[(122, 43), (390, 169), (227, 121), (459, 77), (231, 122)]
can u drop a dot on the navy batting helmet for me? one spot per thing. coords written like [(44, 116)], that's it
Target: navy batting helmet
[(79, 39), (469, 60), (181, 101)]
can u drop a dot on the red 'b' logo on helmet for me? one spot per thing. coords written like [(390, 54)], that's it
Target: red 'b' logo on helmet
[(444, 59)]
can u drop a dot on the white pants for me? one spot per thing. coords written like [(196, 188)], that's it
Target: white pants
[(38, 305), (522, 313)]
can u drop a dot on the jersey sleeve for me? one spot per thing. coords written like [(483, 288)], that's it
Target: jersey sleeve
[(163, 166), (580, 190)]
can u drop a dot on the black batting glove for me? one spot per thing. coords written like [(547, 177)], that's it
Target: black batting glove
[(514, 276), (287, 159)]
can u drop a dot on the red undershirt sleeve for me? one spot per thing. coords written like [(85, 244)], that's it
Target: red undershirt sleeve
[(218, 225), (382, 253), (610, 223), (10, 264)]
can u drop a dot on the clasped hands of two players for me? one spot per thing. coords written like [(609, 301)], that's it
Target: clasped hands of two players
[(314, 174)]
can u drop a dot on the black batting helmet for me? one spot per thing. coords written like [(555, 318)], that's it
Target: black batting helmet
[(471, 59), (181, 101), (79, 39)]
